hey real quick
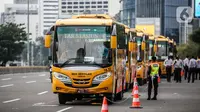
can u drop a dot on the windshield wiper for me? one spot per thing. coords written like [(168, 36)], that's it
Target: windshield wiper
[(67, 61)]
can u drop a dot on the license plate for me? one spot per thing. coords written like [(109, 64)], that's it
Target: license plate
[(82, 91)]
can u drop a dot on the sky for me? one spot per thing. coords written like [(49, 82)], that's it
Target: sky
[(114, 6)]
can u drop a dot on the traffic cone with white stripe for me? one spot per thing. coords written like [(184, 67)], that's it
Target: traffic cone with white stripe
[(104, 105), (136, 100), (134, 83)]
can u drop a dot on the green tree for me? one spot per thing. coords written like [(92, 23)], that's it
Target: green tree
[(12, 40), (195, 36)]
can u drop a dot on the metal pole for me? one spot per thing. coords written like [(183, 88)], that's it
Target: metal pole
[(28, 57)]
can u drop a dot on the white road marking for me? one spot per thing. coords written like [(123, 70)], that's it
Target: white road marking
[(24, 77), (37, 104), (9, 101), (42, 93), (6, 79), (42, 75), (7, 85), (30, 82), (64, 109), (41, 104)]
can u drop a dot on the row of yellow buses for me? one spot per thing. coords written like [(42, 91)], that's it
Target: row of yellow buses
[(95, 56)]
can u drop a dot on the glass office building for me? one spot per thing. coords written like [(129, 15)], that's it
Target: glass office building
[(127, 12), (165, 10)]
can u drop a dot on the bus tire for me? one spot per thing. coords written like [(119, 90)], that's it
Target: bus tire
[(120, 95), (61, 98)]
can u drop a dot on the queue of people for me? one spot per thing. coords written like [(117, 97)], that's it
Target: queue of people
[(190, 68)]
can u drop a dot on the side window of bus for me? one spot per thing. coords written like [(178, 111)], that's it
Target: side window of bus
[(121, 41)]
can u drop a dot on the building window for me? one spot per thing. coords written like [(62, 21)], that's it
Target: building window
[(93, 2), (50, 5), (87, 2), (50, 9), (81, 10), (69, 3), (99, 2), (63, 7), (75, 10), (99, 6), (93, 6), (63, 11), (87, 6), (105, 2), (81, 2), (81, 6), (69, 7), (75, 2), (75, 7), (69, 11), (105, 6), (63, 3)]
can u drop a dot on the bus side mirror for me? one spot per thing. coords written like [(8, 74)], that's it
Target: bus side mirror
[(49, 57), (113, 42), (130, 46), (155, 48), (143, 45), (47, 41)]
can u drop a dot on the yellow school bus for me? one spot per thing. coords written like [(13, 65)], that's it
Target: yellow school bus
[(88, 57), (140, 55), (162, 51)]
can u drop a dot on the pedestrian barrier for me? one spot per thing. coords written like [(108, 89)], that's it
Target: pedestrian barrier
[(14, 70), (104, 105), (136, 100)]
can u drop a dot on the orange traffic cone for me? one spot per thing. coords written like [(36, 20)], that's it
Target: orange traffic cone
[(104, 105), (136, 100), (134, 83)]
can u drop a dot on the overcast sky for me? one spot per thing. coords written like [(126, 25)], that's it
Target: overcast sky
[(114, 6)]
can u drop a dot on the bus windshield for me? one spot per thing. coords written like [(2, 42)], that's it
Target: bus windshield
[(83, 45), (162, 49)]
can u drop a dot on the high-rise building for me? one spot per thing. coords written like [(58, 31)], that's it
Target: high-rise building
[(48, 14), (165, 10), (127, 12), (75, 7), (17, 13)]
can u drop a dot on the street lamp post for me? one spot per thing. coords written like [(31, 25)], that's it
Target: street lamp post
[(28, 57)]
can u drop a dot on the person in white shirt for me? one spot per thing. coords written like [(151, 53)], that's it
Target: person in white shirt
[(186, 63), (168, 65), (198, 67), (192, 68), (178, 65)]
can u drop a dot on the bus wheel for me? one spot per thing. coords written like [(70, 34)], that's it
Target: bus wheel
[(62, 98), (120, 95)]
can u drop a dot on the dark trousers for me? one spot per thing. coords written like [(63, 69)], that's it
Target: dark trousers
[(185, 72), (177, 72), (153, 83), (198, 72), (191, 72), (169, 72)]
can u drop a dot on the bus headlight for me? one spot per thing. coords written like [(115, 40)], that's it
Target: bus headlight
[(102, 77), (139, 67), (62, 78)]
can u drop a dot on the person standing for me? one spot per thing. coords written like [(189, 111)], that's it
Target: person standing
[(192, 68), (153, 73), (178, 64), (168, 65), (198, 67), (186, 63)]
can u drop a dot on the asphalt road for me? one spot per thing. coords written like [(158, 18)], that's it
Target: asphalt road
[(31, 92)]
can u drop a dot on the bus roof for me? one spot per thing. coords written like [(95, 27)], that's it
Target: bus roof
[(161, 38), (137, 31), (89, 19)]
